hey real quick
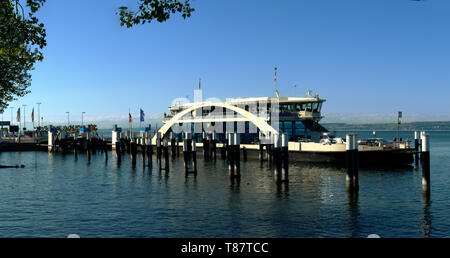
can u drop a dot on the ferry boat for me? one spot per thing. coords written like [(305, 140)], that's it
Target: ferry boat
[(258, 120)]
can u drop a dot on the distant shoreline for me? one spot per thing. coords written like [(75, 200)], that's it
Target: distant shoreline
[(412, 126)]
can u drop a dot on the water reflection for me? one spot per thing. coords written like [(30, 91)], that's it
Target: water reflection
[(313, 204), (426, 216), (235, 183), (51, 158), (282, 190), (190, 180), (353, 212), (116, 156)]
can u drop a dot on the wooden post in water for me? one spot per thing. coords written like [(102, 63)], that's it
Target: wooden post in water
[(261, 152), (194, 156), (214, 147), (355, 163), (223, 154), (133, 151), (237, 155), (166, 155), (178, 147), (205, 142), (224, 149), (277, 159), (173, 145), (416, 147), (122, 145), (149, 155), (143, 149), (105, 149), (119, 153), (186, 156), (89, 150), (75, 147), (230, 156), (285, 157), (425, 162), (349, 161), (189, 154), (158, 150)]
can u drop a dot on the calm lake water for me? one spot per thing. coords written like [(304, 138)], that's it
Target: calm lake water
[(57, 195)]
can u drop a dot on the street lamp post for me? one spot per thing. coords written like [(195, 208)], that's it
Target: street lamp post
[(39, 114), (24, 119), (82, 113), (11, 108), (68, 121)]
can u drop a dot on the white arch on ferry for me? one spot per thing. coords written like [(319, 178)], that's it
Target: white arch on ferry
[(263, 126)]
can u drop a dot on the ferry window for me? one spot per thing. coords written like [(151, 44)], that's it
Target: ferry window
[(309, 107), (291, 107), (320, 107), (288, 131), (297, 107), (299, 125), (303, 106), (315, 107), (288, 124)]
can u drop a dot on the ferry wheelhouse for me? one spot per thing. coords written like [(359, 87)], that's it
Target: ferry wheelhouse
[(252, 118)]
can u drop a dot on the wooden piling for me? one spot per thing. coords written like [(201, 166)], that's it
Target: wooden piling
[(194, 156), (133, 151), (416, 147), (349, 161), (186, 155), (173, 147), (105, 149), (355, 163), (352, 161), (144, 151), (237, 155), (149, 155), (261, 152), (230, 155), (119, 153), (166, 155), (223, 151), (285, 157), (213, 145), (158, 149), (189, 154), (425, 162), (277, 160), (205, 142)]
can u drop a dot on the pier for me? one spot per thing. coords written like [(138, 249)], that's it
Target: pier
[(278, 154)]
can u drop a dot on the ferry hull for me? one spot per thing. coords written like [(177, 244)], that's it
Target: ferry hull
[(367, 158)]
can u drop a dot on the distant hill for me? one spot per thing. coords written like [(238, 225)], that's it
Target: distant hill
[(438, 125)]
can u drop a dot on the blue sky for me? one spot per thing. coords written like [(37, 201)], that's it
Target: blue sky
[(368, 58)]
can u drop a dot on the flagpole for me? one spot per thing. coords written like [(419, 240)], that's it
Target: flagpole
[(39, 114), (129, 120), (24, 119), (32, 117), (275, 79), (19, 120)]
